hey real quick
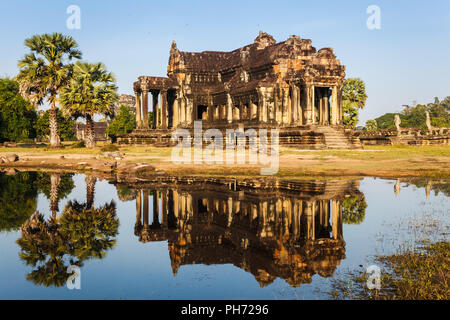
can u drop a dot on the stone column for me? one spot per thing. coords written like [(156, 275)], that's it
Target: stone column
[(309, 105), (138, 109), (155, 95), (341, 113), (164, 109), (144, 106), (334, 106), (299, 107), (175, 112), (210, 110), (294, 104), (326, 102), (229, 109), (313, 104), (263, 106), (182, 110), (320, 107)]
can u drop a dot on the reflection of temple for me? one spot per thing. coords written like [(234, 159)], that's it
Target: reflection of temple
[(268, 233)]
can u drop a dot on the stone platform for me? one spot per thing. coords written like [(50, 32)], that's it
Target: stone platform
[(313, 137)]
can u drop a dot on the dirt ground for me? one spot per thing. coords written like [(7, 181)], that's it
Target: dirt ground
[(385, 161)]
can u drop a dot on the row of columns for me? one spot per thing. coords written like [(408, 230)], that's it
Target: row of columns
[(294, 105), (142, 102)]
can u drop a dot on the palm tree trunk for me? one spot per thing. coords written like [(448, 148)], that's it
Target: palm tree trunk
[(55, 180), (90, 133), (55, 141), (90, 190)]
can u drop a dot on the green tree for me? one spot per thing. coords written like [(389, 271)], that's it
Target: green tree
[(124, 121), (415, 117), (91, 91), (354, 209), (371, 125), (17, 116), (45, 71), (353, 98), (65, 126), (18, 199)]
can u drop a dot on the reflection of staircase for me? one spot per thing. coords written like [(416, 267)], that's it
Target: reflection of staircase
[(337, 138)]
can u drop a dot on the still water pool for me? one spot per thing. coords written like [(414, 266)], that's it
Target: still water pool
[(150, 240)]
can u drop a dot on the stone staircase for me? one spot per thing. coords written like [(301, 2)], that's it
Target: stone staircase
[(338, 138)]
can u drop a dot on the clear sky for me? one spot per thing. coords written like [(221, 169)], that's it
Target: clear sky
[(406, 60)]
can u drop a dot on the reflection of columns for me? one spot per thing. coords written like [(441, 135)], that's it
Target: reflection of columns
[(175, 203), (337, 219), (164, 207), (138, 206), (145, 107), (164, 110), (155, 207), (138, 109), (309, 210), (334, 106), (155, 110), (145, 207)]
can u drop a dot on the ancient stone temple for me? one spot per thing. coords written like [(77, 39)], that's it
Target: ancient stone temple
[(287, 85)]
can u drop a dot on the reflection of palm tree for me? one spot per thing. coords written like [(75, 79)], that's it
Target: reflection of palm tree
[(55, 186), (55, 180), (43, 245), (82, 232), (90, 190), (90, 230)]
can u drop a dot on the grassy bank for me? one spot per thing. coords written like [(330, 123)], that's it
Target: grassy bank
[(420, 275), (379, 161)]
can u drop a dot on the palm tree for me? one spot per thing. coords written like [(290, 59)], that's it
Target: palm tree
[(45, 71), (91, 91)]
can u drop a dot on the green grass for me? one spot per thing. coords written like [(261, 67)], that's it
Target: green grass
[(422, 274)]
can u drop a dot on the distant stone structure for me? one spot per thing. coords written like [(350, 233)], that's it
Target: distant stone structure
[(99, 129), (287, 85), (127, 100)]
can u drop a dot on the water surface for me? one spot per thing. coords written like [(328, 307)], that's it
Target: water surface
[(150, 240)]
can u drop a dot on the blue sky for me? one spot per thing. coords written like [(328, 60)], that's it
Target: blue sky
[(406, 60)]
